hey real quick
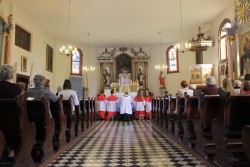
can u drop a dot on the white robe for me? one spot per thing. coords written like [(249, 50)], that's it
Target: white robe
[(126, 105)]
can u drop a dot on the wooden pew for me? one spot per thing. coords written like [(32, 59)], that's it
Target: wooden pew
[(165, 111), (11, 128), (193, 118), (38, 113), (209, 109), (72, 120), (237, 115), (180, 114), (171, 113)]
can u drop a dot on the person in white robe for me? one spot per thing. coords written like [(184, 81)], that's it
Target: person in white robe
[(101, 105), (126, 107)]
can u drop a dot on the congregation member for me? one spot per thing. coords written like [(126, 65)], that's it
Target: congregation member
[(112, 101), (101, 105), (8, 90), (39, 90), (211, 88), (126, 107), (139, 103), (229, 87), (67, 93), (184, 88), (148, 102), (237, 86), (246, 85)]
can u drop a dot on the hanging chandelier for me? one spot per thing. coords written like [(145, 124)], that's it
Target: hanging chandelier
[(70, 49), (88, 68), (160, 67), (182, 47)]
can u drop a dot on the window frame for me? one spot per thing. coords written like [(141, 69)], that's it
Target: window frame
[(169, 71), (222, 25), (20, 42), (80, 63)]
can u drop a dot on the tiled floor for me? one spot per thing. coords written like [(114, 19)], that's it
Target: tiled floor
[(131, 144)]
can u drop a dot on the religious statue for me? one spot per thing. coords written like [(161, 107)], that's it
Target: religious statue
[(9, 24), (162, 79), (106, 77), (140, 77)]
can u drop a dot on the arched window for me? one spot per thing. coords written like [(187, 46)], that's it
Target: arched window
[(76, 62), (172, 60), (226, 23)]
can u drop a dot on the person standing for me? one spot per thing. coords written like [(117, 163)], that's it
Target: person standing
[(139, 106), (126, 107), (101, 103), (111, 105)]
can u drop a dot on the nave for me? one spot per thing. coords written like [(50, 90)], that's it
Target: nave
[(136, 143)]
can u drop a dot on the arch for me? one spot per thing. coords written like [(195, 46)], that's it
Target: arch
[(226, 23), (172, 60)]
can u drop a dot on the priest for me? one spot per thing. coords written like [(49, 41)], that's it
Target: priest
[(126, 107)]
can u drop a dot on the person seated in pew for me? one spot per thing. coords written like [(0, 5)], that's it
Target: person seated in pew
[(67, 92), (112, 101), (229, 87), (184, 88), (237, 86), (126, 107), (211, 88), (148, 102), (101, 103), (139, 102), (246, 85), (22, 85), (39, 90), (8, 89)]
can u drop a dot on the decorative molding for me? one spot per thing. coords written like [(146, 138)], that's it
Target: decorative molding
[(111, 53)]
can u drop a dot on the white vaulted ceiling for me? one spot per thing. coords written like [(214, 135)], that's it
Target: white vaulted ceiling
[(120, 23)]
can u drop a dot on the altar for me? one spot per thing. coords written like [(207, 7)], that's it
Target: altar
[(118, 94)]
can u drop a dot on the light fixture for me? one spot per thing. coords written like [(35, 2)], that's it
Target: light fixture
[(68, 50), (181, 47), (160, 67), (87, 69), (201, 43)]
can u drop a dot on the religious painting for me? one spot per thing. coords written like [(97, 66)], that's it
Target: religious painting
[(245, 54), (24, 62), (123, 63), (49, 58), (106, 76), (223, 70)]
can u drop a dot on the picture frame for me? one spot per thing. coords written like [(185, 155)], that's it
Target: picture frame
[(244, 53), (24, 63), (49, 58)]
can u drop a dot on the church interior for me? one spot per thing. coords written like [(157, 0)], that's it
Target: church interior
[(132, 47)]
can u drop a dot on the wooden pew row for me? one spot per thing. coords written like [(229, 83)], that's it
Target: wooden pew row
[(42, 135), (11, 128), (236, 116)]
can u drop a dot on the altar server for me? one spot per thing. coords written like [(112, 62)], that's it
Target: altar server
[(111, 105), (126, 107), (139, 101), (148, 99), (101, 105)]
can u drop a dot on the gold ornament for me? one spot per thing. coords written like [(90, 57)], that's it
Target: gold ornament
[(242, 11)]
